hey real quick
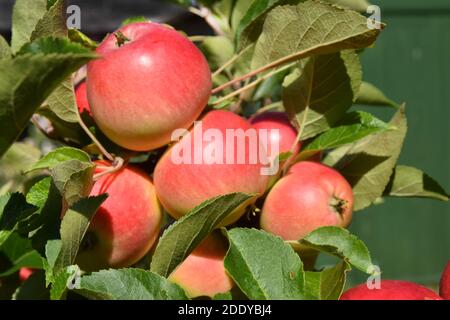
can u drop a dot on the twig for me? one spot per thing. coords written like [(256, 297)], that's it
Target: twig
[(230, 62)]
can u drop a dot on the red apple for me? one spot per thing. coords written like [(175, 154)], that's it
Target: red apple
[(25, 273), (81, 98), (127, 223), (182, 185), (444, 286), (312, 195), (284, 139), (203, 273), (149, 81), (390, 290)]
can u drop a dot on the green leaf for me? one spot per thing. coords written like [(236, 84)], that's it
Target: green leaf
[(60, 155), (316, 99), (263, 266), (62, 280), (329, 283), (53, 22), (411, 182), (20, 254), (16, 160), (341, 243), (27, 80), (249, 21), (370, 95), (77, 36), (52, 251), (46, 196), (355, 126), (26, 15), (223, 296), (62, 102), (368, 164), (182, 237), (128, 284), (357, 5), (295, 32), (218, 50), (5, 49), (73, 228), (13, 210), (134, 20)]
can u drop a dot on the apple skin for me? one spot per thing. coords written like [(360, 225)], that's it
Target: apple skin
[(182, 187), (126, 225), (310, 196), (286, 136), (391, 290), (81, 98), (143, 90), (203, 272), (25, 273), (444, 285)]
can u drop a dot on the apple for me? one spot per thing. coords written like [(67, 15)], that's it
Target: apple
[(444, 286), (390, 290), (149, 81), (25, 273), (81, 98), (183, 185), (284, 139), (310, 196), (126, 225), (203, 272)]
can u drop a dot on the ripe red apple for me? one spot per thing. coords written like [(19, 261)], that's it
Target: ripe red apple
[(391, 290), (181, 185), (81, 98), (127, 223), (149, 81), (312, 195), (203, 273), (286, 136), (25, 273), (444, 286)]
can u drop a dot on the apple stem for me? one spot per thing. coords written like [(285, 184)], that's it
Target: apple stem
[(250, 85), (231, 61), (121, 38), (339, 205), (116, 166), (94, 139)]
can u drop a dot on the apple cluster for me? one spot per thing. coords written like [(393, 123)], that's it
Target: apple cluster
[(149, 81)]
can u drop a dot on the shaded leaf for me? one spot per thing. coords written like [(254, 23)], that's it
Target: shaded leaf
[(77, 36), (61, 155), (26, 15), (5, 49), (368, 164), (329, 283), (370, 95), (181, 238), (318, 95), (411, 182)]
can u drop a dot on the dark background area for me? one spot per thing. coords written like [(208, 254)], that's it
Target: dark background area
[(408, 238)]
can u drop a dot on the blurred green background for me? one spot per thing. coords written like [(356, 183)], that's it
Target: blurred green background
[(410, 239)]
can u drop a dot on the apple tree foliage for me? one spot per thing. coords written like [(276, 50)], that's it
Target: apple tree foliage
[(298, 56)]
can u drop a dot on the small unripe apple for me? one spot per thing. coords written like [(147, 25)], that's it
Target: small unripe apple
[(149, 81), (203, 272), (126, 225), (81, 98), (183, 184), (312, 195), (444, 286), (391, 290), (284, 139), (25, 273)]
